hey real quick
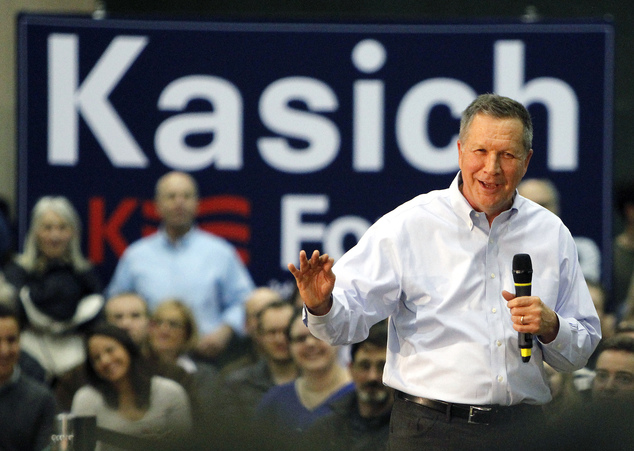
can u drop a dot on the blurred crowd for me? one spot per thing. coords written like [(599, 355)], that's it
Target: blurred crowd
[(180, 350)]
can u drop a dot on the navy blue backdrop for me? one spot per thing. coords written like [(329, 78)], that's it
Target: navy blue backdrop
[(299, 134)]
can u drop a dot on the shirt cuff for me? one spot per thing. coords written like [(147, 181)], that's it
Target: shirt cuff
[(563, 338), (308, 317)]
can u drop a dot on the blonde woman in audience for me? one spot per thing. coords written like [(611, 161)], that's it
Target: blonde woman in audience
[(125, 398), (57, 291)]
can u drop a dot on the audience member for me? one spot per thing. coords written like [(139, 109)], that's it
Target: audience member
[(583, 377), (27, 407), (129, 312), (183, 261), (623, 249), (545, 193), (28, 364), (287, 410), (360, 420), (614, 371), (57, 289), (247, 349), (344, 350), (603, 423), (243, 389), (173, 334), (124, 396), (246, 386)]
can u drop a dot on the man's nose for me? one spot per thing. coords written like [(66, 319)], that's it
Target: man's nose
[(375, 373), (609, 384), (492, 163)]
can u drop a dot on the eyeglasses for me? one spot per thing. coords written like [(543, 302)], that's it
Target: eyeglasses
[(171, 323), (270, 333), (620, 379), (301, 339)]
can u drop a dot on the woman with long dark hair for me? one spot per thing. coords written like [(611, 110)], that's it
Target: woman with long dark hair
[(126, 398)]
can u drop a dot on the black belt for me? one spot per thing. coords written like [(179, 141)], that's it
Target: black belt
[(473, 414)]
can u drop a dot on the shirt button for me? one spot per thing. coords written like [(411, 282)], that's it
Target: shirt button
[(491, 240), (500, 378), (492, 276), (494, 310), (499, 343)]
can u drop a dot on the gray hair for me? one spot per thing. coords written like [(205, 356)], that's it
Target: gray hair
[(499, 107), (31, 257)]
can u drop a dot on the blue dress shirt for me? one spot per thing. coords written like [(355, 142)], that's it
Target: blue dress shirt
[(201, 269)]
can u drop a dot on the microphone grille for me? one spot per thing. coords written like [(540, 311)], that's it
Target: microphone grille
[(522, 268)]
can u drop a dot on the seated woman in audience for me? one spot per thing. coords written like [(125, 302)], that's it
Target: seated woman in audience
[(56, 289), (126, 399), (290, 408), (172, 335)]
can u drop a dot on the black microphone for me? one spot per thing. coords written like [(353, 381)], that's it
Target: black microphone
[(522, 276)]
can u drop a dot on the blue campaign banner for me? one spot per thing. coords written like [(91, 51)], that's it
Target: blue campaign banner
[(300, 135)]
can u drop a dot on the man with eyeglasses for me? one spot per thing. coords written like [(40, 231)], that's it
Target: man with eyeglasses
[(606, 421), (245, 386), (359, 421), (614, 371)]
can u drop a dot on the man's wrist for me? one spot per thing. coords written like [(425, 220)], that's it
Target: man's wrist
[(550, 336), (322, 309)]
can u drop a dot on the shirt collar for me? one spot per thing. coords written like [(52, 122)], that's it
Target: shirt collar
[(459, 203), (182, 240)]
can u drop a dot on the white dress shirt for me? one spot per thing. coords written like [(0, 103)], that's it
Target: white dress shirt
[(436, 268)]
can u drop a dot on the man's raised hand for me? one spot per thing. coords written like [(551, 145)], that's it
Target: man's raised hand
[(315, 281)]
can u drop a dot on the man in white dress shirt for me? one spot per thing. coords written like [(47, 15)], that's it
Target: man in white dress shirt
[(440, 267)]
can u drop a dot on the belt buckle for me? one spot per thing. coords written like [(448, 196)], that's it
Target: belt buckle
[(475, 411)]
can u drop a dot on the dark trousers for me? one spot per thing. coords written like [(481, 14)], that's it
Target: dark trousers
[(414, 427)]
